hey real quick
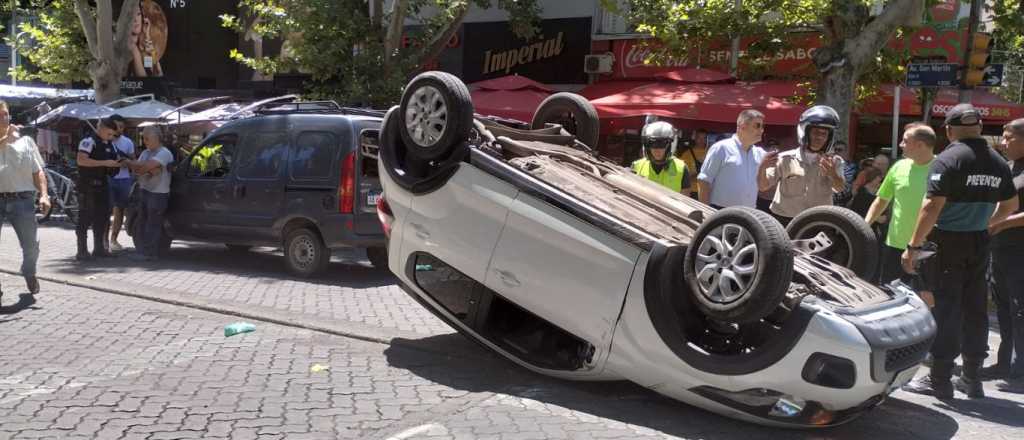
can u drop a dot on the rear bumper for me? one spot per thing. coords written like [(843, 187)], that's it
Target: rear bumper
[(342, 232)]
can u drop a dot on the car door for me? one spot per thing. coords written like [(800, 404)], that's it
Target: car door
[(368, 184), (201, 189), (562, 269), (460, 222), (258, 189)]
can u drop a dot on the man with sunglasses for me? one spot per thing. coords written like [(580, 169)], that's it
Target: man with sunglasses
[(659, 164), (728, 176)]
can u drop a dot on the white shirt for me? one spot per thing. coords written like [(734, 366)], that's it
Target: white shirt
[(161, 182), (19, 161), (731, 171)]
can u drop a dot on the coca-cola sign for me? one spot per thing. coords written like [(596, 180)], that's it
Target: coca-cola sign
[(646, 58)]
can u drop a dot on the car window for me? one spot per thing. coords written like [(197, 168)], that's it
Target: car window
[(214, 158), (313, 156), (262, 155)]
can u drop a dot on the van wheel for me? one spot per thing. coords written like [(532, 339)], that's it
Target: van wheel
[(239, 248), (854, 245), (739, 265), (378, 257), (573, 112), (436, 114), (305, 253)]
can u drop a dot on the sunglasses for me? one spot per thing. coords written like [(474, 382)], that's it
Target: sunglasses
[(658, 143)]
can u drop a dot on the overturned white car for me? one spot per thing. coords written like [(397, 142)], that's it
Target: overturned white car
[(571, 266)]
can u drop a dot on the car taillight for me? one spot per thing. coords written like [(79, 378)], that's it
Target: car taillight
[(385, 215), (347, 185)]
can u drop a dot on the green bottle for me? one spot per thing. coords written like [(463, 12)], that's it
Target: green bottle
[(238, 327)]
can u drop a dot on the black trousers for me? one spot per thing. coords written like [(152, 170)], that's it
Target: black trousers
[(957, 273), (94, 212), (1008, 291), (892, 266)]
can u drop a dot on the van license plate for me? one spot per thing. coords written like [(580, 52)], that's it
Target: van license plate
[(372, 198)]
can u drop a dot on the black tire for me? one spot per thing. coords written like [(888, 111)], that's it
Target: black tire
[(429, 91), (765, 254), (238, 248), (305, 253), (378, 257), (410, 173), (854, 245), (573, 112)]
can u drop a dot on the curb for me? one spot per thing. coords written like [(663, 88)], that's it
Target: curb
[(351, 330)]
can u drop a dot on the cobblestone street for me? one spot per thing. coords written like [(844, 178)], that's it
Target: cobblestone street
[(82, 362)]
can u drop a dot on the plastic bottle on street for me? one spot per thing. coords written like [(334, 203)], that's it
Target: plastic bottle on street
[(238, 327)]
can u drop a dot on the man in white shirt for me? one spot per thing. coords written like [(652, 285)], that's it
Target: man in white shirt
[(728, 176), (121, 183), (155, 183), (21, 179)]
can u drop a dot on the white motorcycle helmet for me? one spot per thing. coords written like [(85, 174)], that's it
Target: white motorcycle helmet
[(818, 116), (659, 134)]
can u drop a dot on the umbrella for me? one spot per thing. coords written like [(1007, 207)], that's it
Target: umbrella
[(69, 115), (151, 110)]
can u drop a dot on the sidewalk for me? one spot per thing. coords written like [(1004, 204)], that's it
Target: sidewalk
[(352, 299)]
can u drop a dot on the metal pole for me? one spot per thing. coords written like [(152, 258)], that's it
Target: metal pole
[(734, 59), (972, 27), (895, 123), (14, 37)]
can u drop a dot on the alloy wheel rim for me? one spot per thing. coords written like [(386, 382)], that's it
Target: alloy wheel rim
[(726, 264), (426, 116)]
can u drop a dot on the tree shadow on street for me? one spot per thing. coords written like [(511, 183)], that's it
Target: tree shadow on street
[(347, 268), (25, 302), (465, 366)]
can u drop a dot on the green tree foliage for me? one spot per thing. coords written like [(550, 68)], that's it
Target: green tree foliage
[(1008, 20), (58, 50), (355, 51), (853, 52)]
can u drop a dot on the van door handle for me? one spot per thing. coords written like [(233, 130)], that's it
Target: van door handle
[(239, 191), (508, 278)]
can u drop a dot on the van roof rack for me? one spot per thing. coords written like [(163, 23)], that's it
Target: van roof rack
[(289, 104)]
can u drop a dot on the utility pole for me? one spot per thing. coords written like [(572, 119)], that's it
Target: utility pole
[(972, 27)]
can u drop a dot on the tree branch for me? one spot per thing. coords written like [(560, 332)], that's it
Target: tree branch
[(378, 14), (84, 14), (434, 48), (862, 48)]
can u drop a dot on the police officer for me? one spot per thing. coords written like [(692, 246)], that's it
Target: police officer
[(96, 162), (659, 164), (969, 188)]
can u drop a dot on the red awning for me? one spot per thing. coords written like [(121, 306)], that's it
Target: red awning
[(994, 109), (605, 88), (513, 97), (694, 75), (702, 102)]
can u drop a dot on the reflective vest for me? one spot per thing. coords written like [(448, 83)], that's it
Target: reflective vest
[(670, 177)]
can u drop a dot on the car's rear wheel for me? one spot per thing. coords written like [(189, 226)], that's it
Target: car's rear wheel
[(739, 265), (436, 115), (305, 253), (854, 245), (378, 257), (573, 112)]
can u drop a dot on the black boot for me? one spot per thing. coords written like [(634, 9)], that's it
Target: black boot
[(99, 248), (936, 383), (969, 382)]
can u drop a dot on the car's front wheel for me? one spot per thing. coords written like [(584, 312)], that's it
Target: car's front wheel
[(305, 253), (739, 265)]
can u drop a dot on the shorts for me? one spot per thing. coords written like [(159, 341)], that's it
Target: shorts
[(120, 189)]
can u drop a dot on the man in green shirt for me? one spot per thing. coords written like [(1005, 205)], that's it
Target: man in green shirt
[(904, 186)]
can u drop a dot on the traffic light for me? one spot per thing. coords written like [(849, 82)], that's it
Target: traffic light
[(974, 70)]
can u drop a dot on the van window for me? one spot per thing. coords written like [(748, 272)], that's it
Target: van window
[(214, 158), (369, 146), (262, 155), (313, 156)]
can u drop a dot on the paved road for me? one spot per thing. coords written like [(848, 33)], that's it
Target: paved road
[(78, 362)]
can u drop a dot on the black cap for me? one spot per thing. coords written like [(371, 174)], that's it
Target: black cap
[(963, 115)]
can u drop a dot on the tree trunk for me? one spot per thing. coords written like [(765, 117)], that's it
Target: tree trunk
[(105, 81), (837, 90)]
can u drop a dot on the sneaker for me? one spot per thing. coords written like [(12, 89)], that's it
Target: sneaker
[(971, 387), (1012, 385), (33, 285), (941, 389), (993, 372), (115, 246)]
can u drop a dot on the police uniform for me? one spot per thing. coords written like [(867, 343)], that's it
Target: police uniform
[(674, 175), (972, 178), (94, 195)]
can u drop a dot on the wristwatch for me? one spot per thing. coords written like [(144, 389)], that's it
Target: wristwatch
[(914, 248)]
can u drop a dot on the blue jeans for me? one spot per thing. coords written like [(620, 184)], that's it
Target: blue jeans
[(21, 213), (154, 205)]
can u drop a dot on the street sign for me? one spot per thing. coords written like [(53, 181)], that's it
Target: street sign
[(993, 76), (932, 75)]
